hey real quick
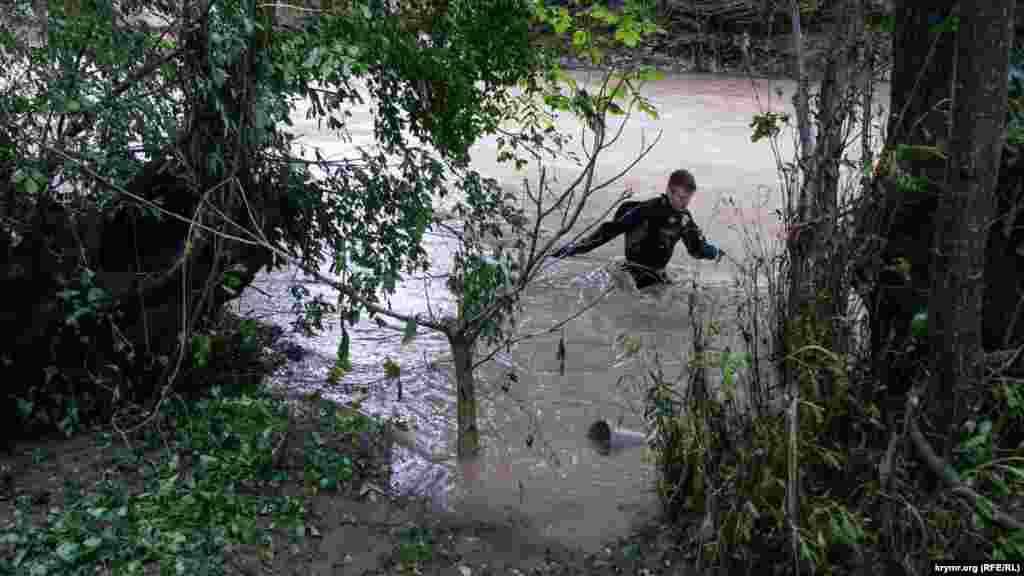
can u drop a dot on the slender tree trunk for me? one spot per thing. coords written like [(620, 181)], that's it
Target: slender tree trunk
[(827, 252), (965, 209), (867, 66), (835, 112), (465, 381), (798, 278)]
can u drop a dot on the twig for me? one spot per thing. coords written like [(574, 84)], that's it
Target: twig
[(944, 472)]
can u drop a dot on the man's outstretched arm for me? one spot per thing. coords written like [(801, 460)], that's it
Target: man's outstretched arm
[(697, 245), (604, 233)]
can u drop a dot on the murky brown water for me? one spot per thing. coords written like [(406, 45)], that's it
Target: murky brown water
[(538, 467)]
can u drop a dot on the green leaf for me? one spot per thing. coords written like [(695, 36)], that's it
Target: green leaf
[(96, 294), (562, 24), (630, 37), (67, 294), (312, 58), (831, 459), (343, 362), (913, 152), (951, 474), (650, 74), (93, 542), (391, 368), (975, 442), (579, 38), (409, 334), (167, 485), (1014, 471), (919, 325), (68, 551), (986, 507), (985, 427), (648, 109), (31, 187), (950, 24), (1002, 487), (1014, 399)]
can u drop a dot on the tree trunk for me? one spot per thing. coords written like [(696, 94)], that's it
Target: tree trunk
[(827, 252), (798, 283), (965, 208), (920, 85), (835, 113), (463, 347)]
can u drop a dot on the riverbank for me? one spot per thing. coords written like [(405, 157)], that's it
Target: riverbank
[(248, 480)]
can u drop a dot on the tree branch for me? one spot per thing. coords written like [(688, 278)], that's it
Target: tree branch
[(372, 307), (945, 472)]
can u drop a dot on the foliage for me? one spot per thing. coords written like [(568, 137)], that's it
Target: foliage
[(1015, 118), (767, 125), (731, 363), (188, 512), (101, 114), (415, 545), (447, 86), (208, 485), (85, 301), (751, 452), (485, 274), (117, 93), (326, 467)]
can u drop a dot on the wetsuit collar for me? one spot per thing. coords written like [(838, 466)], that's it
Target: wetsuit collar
[(668, 202)]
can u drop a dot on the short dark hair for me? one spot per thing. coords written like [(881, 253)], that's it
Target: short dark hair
[(682, 178)]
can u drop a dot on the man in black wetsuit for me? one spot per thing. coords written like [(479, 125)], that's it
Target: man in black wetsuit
[(652, 228)]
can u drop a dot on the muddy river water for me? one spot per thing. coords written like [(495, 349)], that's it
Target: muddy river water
[(538, 468)]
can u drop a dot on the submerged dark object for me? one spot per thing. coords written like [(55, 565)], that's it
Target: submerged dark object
[(607, 440)]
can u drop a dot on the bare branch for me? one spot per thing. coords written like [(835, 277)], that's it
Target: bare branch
[(943, 470)]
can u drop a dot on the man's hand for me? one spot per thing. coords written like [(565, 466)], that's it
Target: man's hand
[(712, 252)]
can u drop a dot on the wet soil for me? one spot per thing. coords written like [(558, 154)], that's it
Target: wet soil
[(361, 531)]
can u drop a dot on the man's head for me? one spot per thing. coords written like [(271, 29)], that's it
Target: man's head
[(681, 188)]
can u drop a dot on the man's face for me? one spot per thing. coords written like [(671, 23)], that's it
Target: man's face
[(679, 196)]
